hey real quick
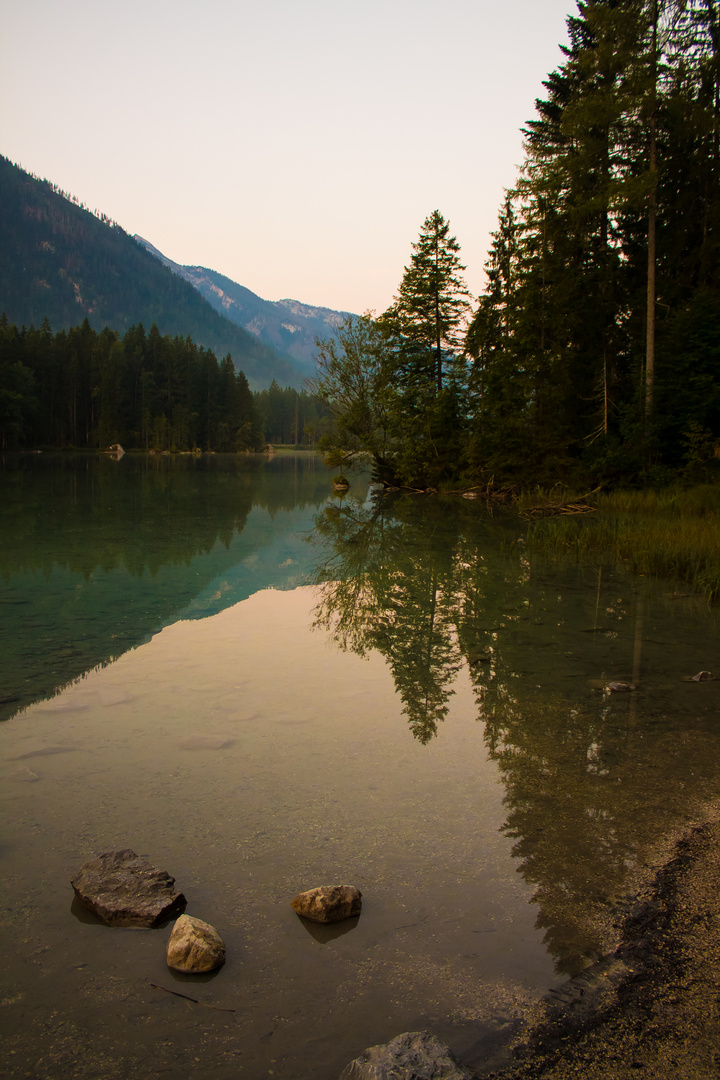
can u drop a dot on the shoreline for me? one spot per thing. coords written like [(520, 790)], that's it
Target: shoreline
[(651, 1008)]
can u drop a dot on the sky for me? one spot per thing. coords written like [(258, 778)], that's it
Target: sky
[(295, 146)]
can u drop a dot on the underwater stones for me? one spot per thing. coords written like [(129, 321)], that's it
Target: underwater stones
[(415, 1055), (619, 687), (194, 946), (702, 676), (125, 890), (328, 903)]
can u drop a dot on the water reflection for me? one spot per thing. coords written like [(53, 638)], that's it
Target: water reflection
[(390, 589), (324, 933), (96, 555), (594, 779)]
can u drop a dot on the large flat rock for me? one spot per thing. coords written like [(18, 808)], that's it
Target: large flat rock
[(125, 890)]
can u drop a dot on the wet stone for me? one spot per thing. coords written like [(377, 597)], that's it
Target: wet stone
[(125, 890), (195, 946), (415, 1055), (328, 903)]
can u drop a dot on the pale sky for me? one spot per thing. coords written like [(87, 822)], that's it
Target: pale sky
[(294, 145)]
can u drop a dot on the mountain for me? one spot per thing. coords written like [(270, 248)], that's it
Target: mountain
[(288, 326), (61, 262)]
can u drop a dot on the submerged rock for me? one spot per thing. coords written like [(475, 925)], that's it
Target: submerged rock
[(415, 1055), (125, 890), (329, 903), (619, 687), (702, 676), (195, 946)]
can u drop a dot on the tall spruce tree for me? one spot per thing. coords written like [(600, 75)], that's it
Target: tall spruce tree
[(431, 305), (427, 366)]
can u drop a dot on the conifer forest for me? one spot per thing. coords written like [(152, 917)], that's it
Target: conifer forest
[(591, 357), (594, 353)]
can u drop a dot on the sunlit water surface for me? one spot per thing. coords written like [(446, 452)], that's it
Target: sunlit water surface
[(399, 698)]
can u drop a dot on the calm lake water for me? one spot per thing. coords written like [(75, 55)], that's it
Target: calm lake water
[(262, 687)]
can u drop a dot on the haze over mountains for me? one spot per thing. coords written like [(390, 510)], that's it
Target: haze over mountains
[(60, 261), (287, 326)]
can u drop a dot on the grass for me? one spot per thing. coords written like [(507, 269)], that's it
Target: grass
[(668, 532)]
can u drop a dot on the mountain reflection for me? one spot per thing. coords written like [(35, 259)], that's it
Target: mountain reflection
[(595, 781), (96, 555)]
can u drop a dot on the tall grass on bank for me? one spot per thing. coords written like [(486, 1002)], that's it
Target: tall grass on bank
[(667, 532)]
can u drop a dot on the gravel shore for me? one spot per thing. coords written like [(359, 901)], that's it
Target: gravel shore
[(652, 1008)]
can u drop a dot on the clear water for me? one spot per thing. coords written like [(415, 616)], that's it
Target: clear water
[(261, 687)]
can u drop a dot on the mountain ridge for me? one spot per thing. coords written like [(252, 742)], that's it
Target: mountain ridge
[(61, 261), (289, 326)]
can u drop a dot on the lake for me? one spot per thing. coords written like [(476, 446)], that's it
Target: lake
[(261, 687)]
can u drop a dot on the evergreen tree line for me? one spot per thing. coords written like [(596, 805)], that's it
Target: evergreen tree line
[(81, 388), (291, 417), (593, 353), (86, 389)]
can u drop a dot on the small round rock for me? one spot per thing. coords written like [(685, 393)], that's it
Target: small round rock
[(194, 946)]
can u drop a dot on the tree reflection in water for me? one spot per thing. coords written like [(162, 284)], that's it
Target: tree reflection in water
[(393, 595), (595, 781)]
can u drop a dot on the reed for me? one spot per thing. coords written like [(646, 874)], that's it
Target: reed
[(669, 532)]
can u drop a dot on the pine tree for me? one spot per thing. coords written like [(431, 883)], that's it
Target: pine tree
[(431, 305)]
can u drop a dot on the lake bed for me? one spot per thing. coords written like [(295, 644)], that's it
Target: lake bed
[(392, 695)]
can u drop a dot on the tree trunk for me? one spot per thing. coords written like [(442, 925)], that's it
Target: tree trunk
[(652, 215)]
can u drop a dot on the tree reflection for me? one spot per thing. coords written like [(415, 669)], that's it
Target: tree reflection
[(594, 780), (394, 598)]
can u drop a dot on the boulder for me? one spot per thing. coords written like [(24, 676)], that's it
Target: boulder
[(125, 890), (702, 676), (329, 903), (416, 1055), (619, 687), (195, 946)]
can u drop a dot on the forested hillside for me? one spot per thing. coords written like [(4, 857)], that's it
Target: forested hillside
[(61, 262), (594, 353)]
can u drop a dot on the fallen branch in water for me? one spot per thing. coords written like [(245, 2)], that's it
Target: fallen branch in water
[(573, 506), (489, 491), (187, 997)]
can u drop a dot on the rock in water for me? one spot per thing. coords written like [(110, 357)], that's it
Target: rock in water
[(195, 946), (702, 676), (125, 890), (329, 903), (416, 1055)]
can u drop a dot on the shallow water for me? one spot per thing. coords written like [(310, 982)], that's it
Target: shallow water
[(400, 699)]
